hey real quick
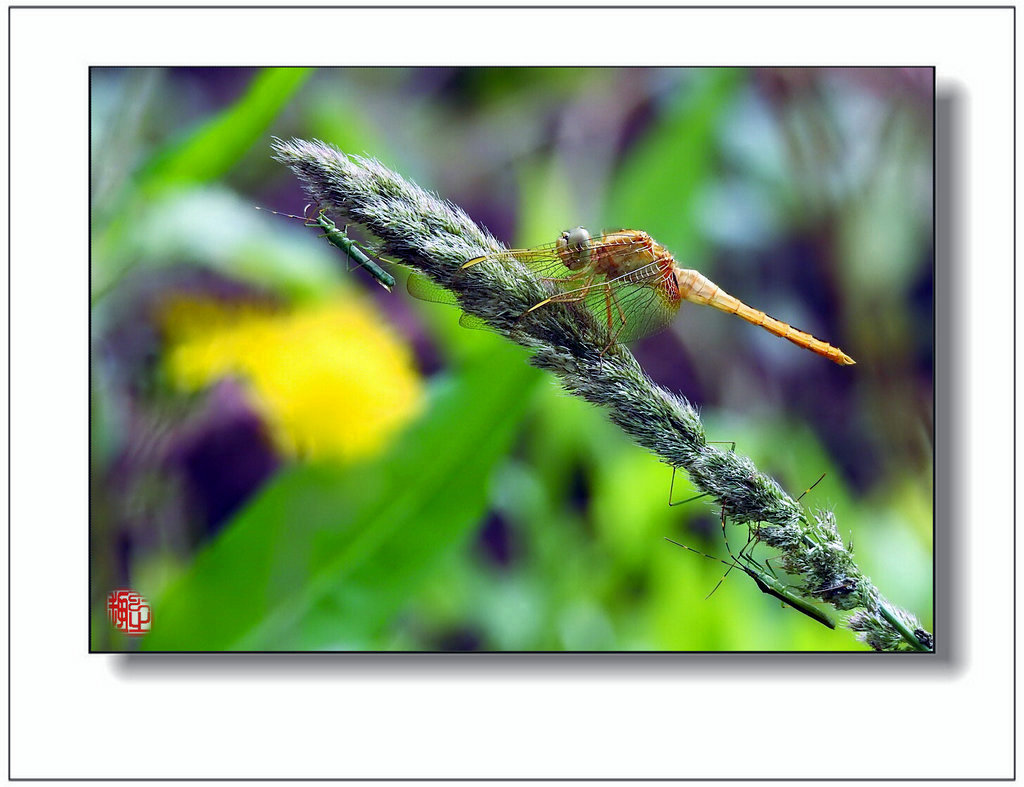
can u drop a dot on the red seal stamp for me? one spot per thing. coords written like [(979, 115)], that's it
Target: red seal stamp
[(129, 612)]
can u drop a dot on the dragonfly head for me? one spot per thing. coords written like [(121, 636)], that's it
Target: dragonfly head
[(574, 248)]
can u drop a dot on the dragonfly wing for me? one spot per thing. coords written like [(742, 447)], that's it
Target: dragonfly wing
[(542, 260), (647, 308), (549, 261), (630, 311), (631, 306), (474, 322), (424, 289)]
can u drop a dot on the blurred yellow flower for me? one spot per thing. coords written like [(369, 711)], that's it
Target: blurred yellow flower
[(329, 378)]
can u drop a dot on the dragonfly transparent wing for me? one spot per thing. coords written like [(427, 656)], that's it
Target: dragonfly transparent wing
[(425, 289), (543, 260), (631, 306), (549, 261)]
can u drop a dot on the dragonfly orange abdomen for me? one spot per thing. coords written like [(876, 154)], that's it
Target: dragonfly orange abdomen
[(697, 288)]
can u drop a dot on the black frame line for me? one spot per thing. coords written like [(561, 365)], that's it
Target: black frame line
[(855, 654)]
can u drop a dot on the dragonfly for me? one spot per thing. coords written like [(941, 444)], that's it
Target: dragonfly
[(630, 283)]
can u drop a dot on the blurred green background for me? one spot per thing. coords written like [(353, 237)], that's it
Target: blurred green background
[(286, 457)]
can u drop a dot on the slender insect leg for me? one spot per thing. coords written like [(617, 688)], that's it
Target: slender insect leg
[(612, 336), (808, 489), (768, 564), (732, 447), (566, 297), (743, 554), (560, 298), (316, 218), (618, 306), (609, 299), (350, 257), (725, 537), (766, 584), (671, 486), (735, 560), (573, 296), (709, 557), (337, 238)]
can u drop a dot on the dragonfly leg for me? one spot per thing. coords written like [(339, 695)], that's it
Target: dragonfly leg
[(608, 317), (618, 306), (560, 298), (573, 296), (609, 299)]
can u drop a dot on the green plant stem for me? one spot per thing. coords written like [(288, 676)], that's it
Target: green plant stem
[(436, 238), (897, 623)]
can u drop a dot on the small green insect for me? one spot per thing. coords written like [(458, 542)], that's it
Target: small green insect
[(766, 583), (338, 238)]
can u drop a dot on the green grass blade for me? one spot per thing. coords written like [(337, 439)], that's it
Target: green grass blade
[(658, 184), (210, 151), (326, 556)]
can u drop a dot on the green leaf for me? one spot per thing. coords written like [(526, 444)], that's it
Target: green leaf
[(327, 556), (658, 184), (203, 155), (210, 151)]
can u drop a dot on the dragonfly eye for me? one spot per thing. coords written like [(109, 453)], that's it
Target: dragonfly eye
[(572, 248), (576, 238)]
